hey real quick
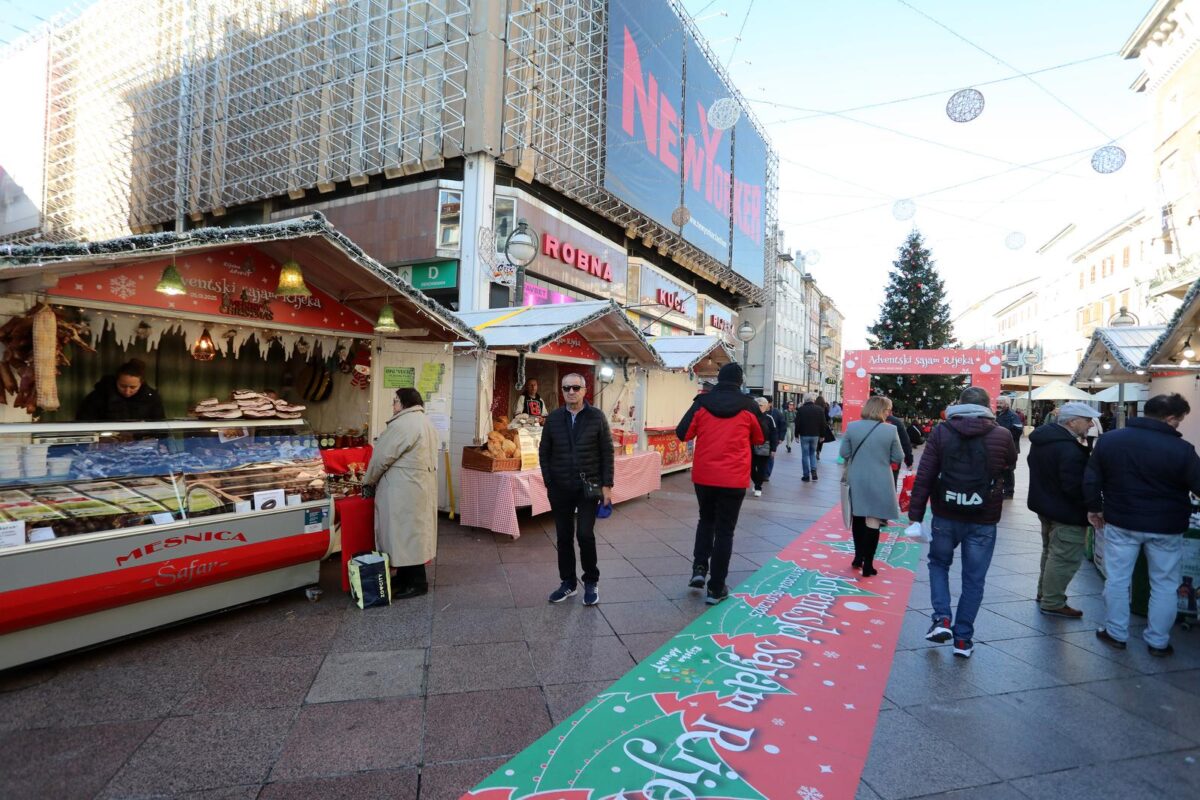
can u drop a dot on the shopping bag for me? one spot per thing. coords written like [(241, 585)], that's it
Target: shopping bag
[(370, 580), (906, 487)]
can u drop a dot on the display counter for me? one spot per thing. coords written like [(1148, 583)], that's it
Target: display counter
[(491, 499), (108, 529), (676, 455)]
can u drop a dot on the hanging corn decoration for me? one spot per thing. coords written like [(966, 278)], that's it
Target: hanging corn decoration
[(45, 354)]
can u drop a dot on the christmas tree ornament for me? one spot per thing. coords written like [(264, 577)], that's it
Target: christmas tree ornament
[(724, 113), (965, 105), (1108, 159), (1015, 240)]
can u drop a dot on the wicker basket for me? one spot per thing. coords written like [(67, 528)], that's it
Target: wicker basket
[(478, 459)]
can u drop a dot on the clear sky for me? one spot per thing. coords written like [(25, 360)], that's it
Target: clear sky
[(840, 174)]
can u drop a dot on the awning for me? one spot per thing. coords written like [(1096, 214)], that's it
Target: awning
[(1057, 391), (1134, 393), (330, 261), (1123, 348), (605, 326), (703, 355)]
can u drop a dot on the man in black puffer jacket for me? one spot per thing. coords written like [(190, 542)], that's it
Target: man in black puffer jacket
[(1136, 485), (576, 451), (1057, 460)]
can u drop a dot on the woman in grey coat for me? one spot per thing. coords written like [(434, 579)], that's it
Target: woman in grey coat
[(870, 446)]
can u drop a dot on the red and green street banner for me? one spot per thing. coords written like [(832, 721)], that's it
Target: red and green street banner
[(774, 693)]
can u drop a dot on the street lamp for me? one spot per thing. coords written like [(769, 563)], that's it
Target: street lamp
[(745, 332), (1123, 319), (1031, 358), (520, 250)]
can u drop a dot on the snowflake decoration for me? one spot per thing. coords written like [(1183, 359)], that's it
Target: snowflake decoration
[(810, 793), (122, 287), (831, 654), (778, 722), (876, 622)]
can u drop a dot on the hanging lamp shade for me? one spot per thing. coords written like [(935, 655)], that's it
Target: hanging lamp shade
[(205, 349), (387, 321), (291, 280), (171, 281)]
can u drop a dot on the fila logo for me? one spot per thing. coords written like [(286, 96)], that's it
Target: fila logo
[(961, 499)]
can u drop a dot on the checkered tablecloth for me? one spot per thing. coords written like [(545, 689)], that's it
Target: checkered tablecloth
[(491, 499)]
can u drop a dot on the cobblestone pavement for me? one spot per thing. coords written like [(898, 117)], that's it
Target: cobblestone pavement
[(291, 699)]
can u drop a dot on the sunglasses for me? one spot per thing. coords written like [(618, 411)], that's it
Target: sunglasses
[(572, 388)]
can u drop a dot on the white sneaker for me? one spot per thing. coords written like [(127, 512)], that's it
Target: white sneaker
[(758, 492)]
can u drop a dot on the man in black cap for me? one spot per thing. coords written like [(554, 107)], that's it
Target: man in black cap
[(726, 424)]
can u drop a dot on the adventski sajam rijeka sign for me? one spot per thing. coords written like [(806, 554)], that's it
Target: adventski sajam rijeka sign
[(774, 693)]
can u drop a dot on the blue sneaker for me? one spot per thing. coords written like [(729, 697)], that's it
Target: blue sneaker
[(562, 592), (591, 594)]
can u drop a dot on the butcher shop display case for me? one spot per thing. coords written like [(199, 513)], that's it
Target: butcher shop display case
[(108, 529)]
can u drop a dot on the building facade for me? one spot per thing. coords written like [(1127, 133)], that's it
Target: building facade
[(424, 130)]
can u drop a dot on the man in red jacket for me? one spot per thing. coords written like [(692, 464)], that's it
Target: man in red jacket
[(960, 475), (726, 424)]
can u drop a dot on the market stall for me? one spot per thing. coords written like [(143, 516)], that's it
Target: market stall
[(667, 394), (276, 343), (595, 339)]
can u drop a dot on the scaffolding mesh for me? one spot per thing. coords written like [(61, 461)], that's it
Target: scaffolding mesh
[(163, 108), (554, 116)]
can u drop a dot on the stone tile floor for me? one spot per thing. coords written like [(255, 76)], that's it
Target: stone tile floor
[(290, 699)]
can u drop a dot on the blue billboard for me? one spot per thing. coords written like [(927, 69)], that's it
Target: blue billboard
[(661, 152)]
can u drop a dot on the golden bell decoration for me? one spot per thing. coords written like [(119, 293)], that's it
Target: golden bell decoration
[(387, 321), (291, 280)]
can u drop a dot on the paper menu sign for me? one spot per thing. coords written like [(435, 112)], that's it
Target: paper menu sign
[(12, 534), (269, 499)]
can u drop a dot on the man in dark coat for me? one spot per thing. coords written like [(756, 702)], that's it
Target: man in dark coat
[(1057, 460), (1007, 418), (1136, 488), (810, 427), (726, 424), (905, 444), (576, 452), (780, 427), (959, 475)]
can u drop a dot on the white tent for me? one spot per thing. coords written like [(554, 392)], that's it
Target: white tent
[(1057, 390), (1134, 393)]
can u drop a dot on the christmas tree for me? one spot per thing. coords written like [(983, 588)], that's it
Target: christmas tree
[(915, 316)]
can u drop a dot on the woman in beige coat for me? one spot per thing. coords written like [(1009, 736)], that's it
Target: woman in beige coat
[(403, 470)]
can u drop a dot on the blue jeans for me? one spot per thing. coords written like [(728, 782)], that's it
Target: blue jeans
[(1164, 555), (977, 541), (808, 454)]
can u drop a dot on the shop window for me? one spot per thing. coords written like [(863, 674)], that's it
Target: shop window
[(449, 218), (505, 221)]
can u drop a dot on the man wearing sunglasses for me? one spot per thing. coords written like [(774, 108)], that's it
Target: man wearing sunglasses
[(576, 454)]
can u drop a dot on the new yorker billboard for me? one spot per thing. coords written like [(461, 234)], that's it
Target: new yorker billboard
[(661, 152)]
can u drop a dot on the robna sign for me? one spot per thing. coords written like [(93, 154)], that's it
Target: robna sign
[(660, 130), (576, 257)]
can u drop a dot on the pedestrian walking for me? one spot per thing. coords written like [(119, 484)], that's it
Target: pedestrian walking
[(835, 415), (779, 423), (789, 425), (826, 431), (760, 462), (1057, 461), (726, 424), (905, 443), (1136, 488), (810, 426), (1007, 418), (960, 477), (869, 448), (576, 454), (403, 474)]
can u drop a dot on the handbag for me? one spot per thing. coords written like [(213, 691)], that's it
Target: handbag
[(370, 580), (906, 488), (827, 435), (591, 490), (847, 513)]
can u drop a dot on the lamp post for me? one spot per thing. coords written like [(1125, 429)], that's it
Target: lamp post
[(1123, 319), (1031, 359), (520, 250), (745, 332)]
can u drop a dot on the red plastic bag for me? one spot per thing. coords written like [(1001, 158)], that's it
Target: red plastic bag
[(906, 488)]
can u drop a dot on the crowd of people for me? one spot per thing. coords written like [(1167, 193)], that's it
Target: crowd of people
[(1134, 484)]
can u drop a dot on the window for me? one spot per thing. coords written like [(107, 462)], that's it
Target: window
[(505, 221), (1125, 298), (1081, 279), (1093, 277), (449, 218), (1125, 257)]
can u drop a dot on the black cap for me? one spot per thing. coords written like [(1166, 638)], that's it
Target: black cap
[(730, 373)]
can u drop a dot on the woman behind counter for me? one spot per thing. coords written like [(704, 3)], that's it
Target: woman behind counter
[(403, 470), (122, 397), (870, 446)]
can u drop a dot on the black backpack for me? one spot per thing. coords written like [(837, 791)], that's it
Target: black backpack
[(965, 482)]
